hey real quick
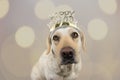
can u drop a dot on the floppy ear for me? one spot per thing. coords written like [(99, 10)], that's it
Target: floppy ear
[(48, 44), (83, 40)]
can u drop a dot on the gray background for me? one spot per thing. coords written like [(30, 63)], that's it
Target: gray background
[(101, 62)]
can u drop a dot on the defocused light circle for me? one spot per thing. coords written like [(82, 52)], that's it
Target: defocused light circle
[(108, 6), (14, 59), (63, 8), (44, 8), (4, 7), (97, 29), (102, 72), (25, 36), (36, 51)]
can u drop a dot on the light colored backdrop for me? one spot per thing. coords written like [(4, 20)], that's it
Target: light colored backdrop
[(23, 33)]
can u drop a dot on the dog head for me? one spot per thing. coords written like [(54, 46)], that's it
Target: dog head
[(66, 41), (65, 44)]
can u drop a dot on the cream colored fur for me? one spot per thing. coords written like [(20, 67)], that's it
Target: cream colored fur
[(49, 68)]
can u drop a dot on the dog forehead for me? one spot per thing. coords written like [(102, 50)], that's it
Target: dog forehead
[(64, 30)]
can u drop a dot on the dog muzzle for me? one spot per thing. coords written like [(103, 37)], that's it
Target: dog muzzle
[(67, 55)]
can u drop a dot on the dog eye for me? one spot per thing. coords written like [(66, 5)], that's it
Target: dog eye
[(74, 35), (56, 38)]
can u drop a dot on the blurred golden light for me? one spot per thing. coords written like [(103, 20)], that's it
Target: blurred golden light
[(97, 29), (63, 8), (4, 7), (109, 64), (35, 53), (44, 8), (101, 74), (25, 36), (108, 6), (37, 49), (14, 59)]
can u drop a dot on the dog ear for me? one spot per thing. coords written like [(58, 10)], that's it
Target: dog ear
[(48, 44), (83, 40)]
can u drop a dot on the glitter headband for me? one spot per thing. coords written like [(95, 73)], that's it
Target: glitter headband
[(62, 18)]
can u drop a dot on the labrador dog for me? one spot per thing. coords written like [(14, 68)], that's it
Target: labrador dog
[(62, 59)]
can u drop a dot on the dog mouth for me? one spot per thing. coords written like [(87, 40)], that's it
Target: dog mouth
[(67, 62)]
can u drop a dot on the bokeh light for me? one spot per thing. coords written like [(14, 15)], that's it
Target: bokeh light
[(104, 71), (38, 48), (63, 8), (97, 29), (4, 7), (100, 74), (36, 51), (25, 36), (108, 6), (109, 64), (14, 58), (44, 8)]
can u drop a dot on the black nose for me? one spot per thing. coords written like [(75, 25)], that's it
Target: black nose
[(67, 54)]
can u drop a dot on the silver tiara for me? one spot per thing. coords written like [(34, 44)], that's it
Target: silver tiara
[(62, 18)]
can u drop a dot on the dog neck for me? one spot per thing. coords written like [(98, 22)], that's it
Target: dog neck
[(65, 70)]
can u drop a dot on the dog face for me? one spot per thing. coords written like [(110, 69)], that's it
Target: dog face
[(66, 44)]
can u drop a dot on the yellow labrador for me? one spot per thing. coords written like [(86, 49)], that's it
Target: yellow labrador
[(62, 59)]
